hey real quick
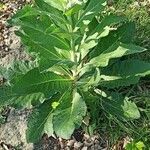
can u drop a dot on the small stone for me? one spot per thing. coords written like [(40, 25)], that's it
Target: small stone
[(88, 144), (78, 145), (28, 1), (6, 49), (61, 143), (96, 141), (55, 147), (93, 138), (7, 41), (5, 36), (97, 147), (92, 147), (67, 148), (70, 143), (86, 136), (84, 148)]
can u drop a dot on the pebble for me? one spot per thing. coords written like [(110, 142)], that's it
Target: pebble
[(78, 145), (85, 148), (92, 147), (70, 143), (96, 141), (89, 143), (97, 147), (86, 136), (67, 148), (61, 142), (9, 7)]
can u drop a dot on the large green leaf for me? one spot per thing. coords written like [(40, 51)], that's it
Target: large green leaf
[(92, 9), (115, 51), (47, 53), (27, 11), (41, 120), (35, 19), (39, 35), (108, 21), (16, 69), (124, 34), (47, 83), (55, 15), (120, 107), (124, 73), (61, 114), (101, 30), (68, 118), (8, 97)]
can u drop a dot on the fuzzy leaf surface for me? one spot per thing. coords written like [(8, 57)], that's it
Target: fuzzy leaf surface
[(118, 106), (66, 120), (124, 73), (92, 9), (8, 97), (47, 83), (41, 121), (115, 51)]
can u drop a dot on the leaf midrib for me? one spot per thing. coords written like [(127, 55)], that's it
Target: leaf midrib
[(48, 81), (43, 32)]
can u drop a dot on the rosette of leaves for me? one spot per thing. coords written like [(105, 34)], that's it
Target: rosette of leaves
[(78, 52)]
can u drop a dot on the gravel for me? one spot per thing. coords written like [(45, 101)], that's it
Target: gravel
[(10, 45), (12, 133)]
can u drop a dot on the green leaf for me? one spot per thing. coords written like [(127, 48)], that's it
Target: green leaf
[(120, 107), (27, 11), (41, 121), (16, 69), (55, 15), (115, 51), (59, 4), (61, 119), (123, 34), (108, 21), (5, 95), (47, 53), (124, 73), (130, 110), (86, 46), (92, 9), (73, 10), (135, 146), (66, 120), (39, 35), (27, 101), (140, 145), (90, 79), (8, 97), (101, 30), (47, 83)]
